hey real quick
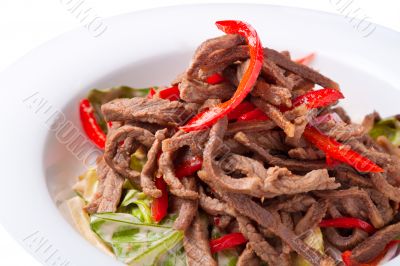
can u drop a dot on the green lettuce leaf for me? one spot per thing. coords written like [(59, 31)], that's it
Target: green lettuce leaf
[(389, 127), (98, 97), (315, 240), (138, 204)]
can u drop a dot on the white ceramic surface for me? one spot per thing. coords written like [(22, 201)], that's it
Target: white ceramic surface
[(143, 49)]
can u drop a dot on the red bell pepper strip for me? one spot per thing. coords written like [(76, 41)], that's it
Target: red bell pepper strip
[(212, 115), (241, 109), (306, 59), (227, 241), (189, 167), (171, 93), (151, 93), (336, 150), (90, 125), (348, 222), (346, 256), (255, 114), (159, 206), (318, 98), (215, 79)]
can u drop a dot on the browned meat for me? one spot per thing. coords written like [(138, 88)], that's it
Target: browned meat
[(299, 69), (384, 205), (195, 140), (118, 155), (369, 121), (312, 218), (206, 48), (150, 167), (197, 245), (188, 209), (212, 206), (295, 203), (342, 114), (195, 91), (112, 192), (272, 94), (340, 130), (307, 153), (250, 126), (388, 147), (158, 111), (293, 165), (269, 140), (375, 244), (272, 72), (382, 185), (344, 242), (351, 178), (248, 257)]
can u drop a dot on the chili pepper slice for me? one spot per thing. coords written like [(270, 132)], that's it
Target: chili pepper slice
[(215, 79), (227, 241), (318, 98), (241, 109), (90, 125), (336, 150), (348, 222), (255, 114), (152, 91), (159, 206), (171, 93), (189, 167), (306, 59), (210, 116)]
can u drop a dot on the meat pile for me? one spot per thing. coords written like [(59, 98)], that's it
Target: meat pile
[(261, 178)]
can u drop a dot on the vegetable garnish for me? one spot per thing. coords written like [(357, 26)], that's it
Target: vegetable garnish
[(159, 206), (227, 241), (151, 93), (340, 152), (211, 116), (242, 108), (188, 167), (306, 59), (215, 79), (348, 222), (389, 127), (90, 125), (171, 93), (255, 114)]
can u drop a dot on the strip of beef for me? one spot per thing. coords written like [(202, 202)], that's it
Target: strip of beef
[(344, 242), (112, 192), (195, 140), (188, 209), (150, 167), (195, 91), (336, 128), (250, 126), (158, 111), (293, 165), (272, 94), (269, 139), (312, 218), (118, 155), (196, 244), (356, 203), (101, 171), (306, 153), (212, 206), (272, 72), (295, 203), (257, 243), (299, 69), (342, 114), (299, 83), (348, 177), (275, 115), (246, 207), (233, 146), (382, 185), (384, 205), (206, 48), (248, 257), (388, 146), (375, 244), (369, 121)]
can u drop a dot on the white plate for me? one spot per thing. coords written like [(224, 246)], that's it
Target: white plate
[(142, 49)]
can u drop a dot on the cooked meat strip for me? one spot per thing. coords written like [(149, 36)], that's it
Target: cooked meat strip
[(355, 202), (196, 91), (272, 94), (248, 257), (299, 83), (307, 153), (272, 72), (351, 178), (369, 121), (387, 146), (212, 206), (340, 130), (342, 114), (112, 192), (295, 203), (101, 171), (312, 218), (293, 165), (197, 245), (158, 111), (375, 244), (384, 187), (118, 155), (275, 115), (383, 203), (250, 126), (246, 207), (344, 242), (195, 140), (206, 48), (150, 167), (153, 128), (269, 139), (233, 146), (299, 69), (188, 209)]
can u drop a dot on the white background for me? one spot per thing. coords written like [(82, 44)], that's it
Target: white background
[(25, 24)]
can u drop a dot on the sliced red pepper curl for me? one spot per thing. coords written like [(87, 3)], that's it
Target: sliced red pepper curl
[(306, 59), (240, 110), (318, 98), (151, 93), (215, 79), (255, 114), (171, 93), (90, 125), (348, 222), (346, 257), (159, 206), (227, 241), (209, 117), (336, 150), (189, 167)]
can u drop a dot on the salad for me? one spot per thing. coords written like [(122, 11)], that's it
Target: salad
[(244, 159)]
